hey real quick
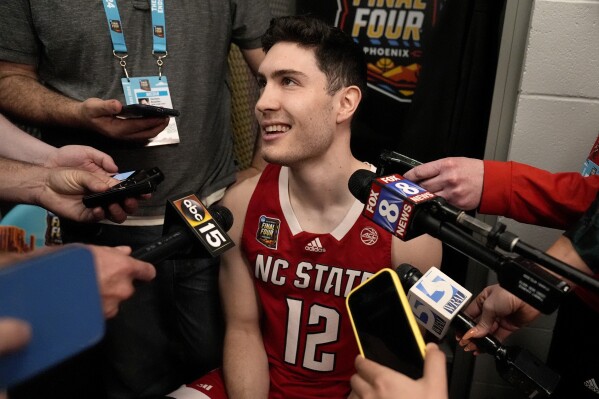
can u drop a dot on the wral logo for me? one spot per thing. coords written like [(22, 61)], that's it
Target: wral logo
[(315, 246)]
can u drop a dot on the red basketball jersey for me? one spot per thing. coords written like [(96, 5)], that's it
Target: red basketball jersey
[(302, 280)]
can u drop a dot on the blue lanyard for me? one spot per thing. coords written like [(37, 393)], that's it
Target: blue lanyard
[(119, 48)]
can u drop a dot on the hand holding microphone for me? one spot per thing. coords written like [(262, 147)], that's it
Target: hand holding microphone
[(190, 230), (436, 301), (407, 210), (499, 312)]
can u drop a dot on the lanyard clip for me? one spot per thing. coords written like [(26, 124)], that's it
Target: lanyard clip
[(159, 61), (122, 62)]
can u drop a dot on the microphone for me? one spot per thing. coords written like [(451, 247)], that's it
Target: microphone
[(405, 210), (190, 230), (399, 192), (436, 299)]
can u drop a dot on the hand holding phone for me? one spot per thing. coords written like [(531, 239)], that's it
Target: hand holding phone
[(135, 111), (385, 327), (133, 184), (57, 295)]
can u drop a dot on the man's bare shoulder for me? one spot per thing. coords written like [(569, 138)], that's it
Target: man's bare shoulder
[(238, 195)]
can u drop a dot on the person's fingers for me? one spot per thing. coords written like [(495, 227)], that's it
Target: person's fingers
[(103, 160), (422, 172), (434, 367), (14, 334), (90, 181), (112, 107), (115, 213), (367, 369), (144, 271), (359, 386)]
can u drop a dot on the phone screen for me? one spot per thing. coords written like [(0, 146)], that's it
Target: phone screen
[(384, 325), (123, 175)]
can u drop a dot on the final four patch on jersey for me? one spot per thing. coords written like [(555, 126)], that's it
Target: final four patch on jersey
[(268, 231)]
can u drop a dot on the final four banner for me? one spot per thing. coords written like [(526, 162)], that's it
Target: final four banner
[(391, 34)]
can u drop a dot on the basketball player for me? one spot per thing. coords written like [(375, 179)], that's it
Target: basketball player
[(302, 244)]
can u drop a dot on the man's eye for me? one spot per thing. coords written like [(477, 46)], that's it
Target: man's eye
[(287, 82), (261, 82)]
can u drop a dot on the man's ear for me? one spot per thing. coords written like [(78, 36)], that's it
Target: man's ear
[(349, 100)]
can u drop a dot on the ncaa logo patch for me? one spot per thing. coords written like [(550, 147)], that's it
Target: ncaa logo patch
[(268, 231)]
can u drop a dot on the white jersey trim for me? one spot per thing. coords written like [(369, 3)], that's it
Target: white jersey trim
[(339, 232), (186, 392)]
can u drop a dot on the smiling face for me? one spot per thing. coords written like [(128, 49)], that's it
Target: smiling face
[(297, 116)]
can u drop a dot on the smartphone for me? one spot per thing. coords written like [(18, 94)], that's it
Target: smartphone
[(132, 184), (384, 325), (391, 162), (143, 111), (57, 294)]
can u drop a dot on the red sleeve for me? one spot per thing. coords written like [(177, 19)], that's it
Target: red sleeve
[(531, 195)]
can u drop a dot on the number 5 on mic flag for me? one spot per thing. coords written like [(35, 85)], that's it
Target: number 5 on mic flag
[(436, 299)]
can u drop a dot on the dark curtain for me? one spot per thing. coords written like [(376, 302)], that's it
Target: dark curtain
[(449, 115)]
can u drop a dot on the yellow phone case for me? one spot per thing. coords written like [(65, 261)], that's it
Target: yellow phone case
[(403, 300)]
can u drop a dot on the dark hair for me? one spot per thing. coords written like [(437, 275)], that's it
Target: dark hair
[(341, 60)]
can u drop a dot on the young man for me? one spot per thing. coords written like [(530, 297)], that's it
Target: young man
[(302, 244)]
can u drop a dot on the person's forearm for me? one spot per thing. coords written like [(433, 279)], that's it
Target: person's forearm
[(20, 145), (21, 182), (24, 97), (245, 366), (531, 195)]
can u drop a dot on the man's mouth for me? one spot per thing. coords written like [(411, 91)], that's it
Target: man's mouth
[(271, 129)]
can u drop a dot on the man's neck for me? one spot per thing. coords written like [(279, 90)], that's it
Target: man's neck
[(319, 195)]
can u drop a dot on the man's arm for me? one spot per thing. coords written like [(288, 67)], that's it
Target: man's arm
[(253, 57), (500, 312), (421, 252), (245, 364), (518, 191), (21, 146), (59, 190), (532, 195), (24, 97)]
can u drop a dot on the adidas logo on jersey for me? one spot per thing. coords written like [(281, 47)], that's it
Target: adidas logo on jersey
[(592, 385), (315, 246)]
